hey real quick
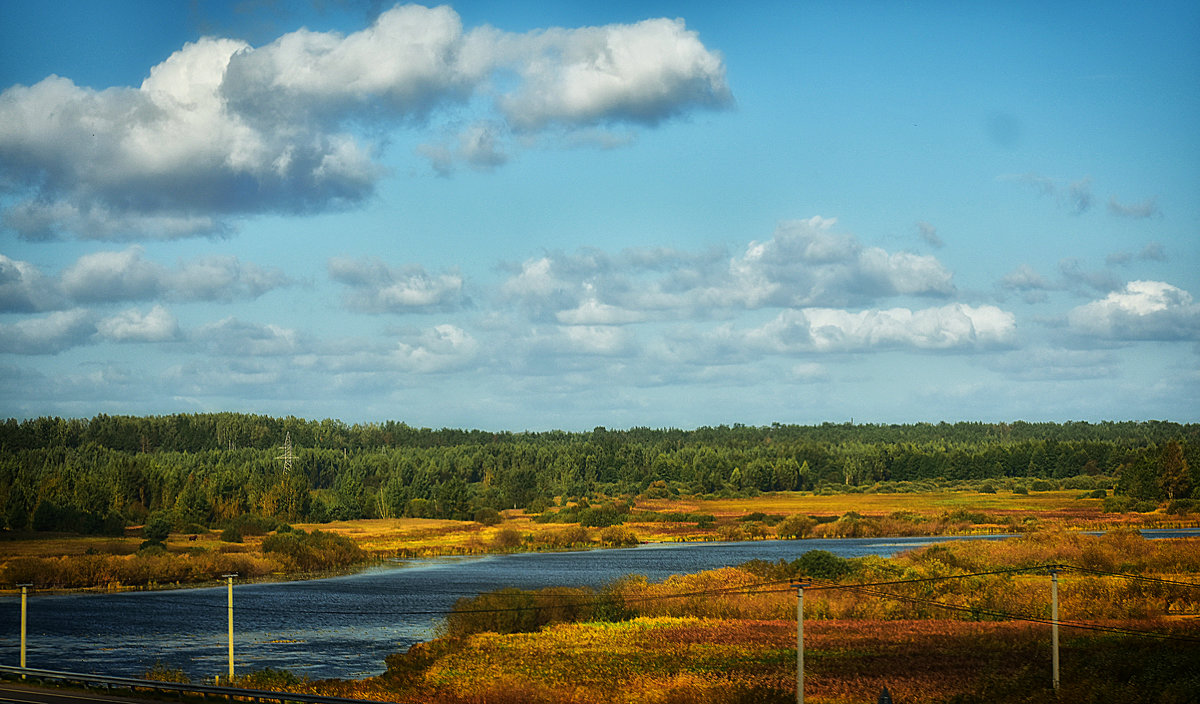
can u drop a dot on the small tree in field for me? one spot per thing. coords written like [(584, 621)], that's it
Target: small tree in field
[(157, 528), (1173, 477), (795, 526)]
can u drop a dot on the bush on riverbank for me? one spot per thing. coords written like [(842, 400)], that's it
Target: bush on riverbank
[(313, 552)]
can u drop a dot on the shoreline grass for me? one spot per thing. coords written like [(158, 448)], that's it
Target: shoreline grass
[(114, 563)]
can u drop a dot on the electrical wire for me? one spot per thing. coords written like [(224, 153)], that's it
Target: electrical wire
[(1004, 615), (1137, 577)]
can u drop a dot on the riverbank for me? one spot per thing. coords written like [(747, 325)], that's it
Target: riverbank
[(191, 559), (962, 621)]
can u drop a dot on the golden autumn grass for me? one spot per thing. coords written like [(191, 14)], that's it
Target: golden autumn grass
[(1064, 509), (739, 647), (683, 660), (927, 513)]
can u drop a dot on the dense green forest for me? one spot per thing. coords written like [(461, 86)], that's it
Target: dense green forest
[(101, 474)]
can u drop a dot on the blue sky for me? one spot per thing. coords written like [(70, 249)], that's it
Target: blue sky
[(541, 215)]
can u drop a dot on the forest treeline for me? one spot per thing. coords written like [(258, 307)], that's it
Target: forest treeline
[(101, 474)]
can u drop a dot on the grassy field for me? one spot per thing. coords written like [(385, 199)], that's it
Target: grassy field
[(688, 661), (729, 635), (106, 562), (926, 513)]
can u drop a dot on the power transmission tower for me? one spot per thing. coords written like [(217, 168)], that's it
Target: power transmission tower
[(287, 458), (287, 455)]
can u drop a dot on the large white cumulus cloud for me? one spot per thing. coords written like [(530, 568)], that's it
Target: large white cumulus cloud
[(1143, 310), (221, 129)]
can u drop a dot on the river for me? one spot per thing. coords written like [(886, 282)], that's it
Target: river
[(344, 626)]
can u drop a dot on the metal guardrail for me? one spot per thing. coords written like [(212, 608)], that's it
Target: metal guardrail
[(130, 683)]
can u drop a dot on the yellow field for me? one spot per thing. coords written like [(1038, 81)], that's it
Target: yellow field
[(927, 513), (1039, 504)]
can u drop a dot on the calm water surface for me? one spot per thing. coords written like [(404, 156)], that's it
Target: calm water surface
[(344, 626)]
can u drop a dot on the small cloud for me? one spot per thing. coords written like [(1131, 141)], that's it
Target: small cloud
[(1075, 196), (235, 338), (113, 276), (1074, 274), (1153, 251), (929, 234), (157, 325), (444, 348), (23, 289), (378, 288), (106, 277), (1139, 211), (49, 334), (640, 73), (1024, 278), (1079, 195), (480, 146)]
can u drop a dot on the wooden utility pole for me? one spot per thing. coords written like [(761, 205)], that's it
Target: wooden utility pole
[(1054, 625), (229, 583), (24, 594), (800, 639)]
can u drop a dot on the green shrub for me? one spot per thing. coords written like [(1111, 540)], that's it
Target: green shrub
[(964, 516), (253, 524), (157, 528), (1041, 485), (569, 537), (488, 516), (507, 539), (152, 547), (233, 534), (821, 564), (1118, 504), (795, 526), (1182, 506), (601, 517), (314, 551), (518, 611), (618, 536)]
